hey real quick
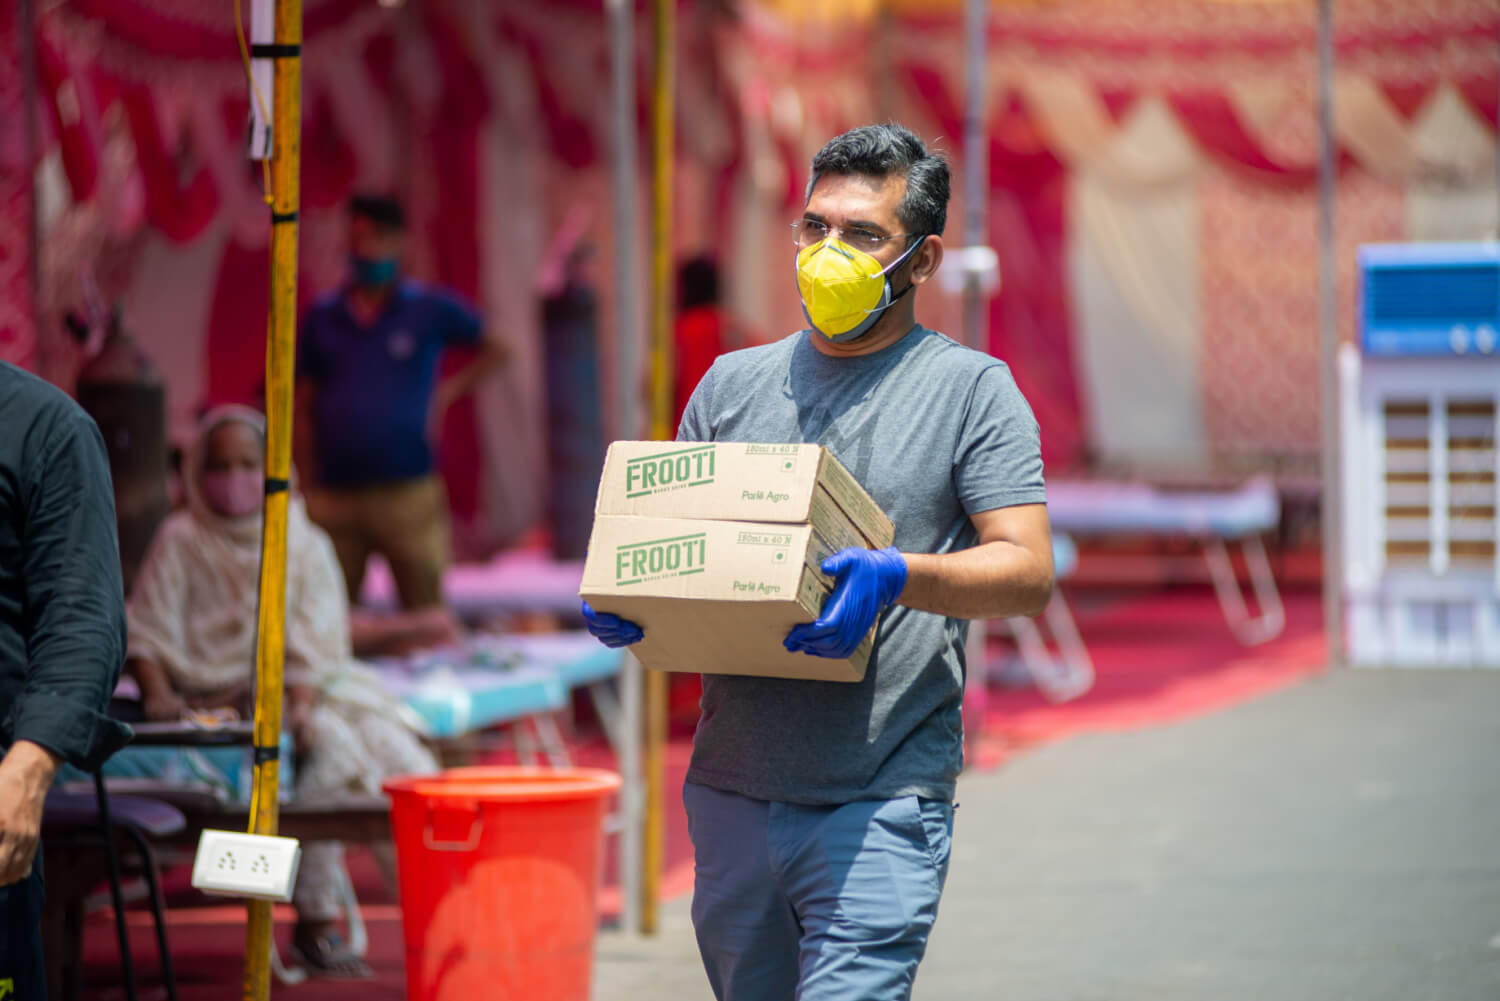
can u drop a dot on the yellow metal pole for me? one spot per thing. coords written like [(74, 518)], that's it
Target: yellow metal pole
[(280, 350), (655, 694), (663, 143)]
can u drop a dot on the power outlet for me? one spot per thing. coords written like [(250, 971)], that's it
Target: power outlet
[(236, 864)]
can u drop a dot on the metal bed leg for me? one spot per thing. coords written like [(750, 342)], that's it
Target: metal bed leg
[(1272, 620), (1069, 673), (551, 739), (289, 976), (611, 717), (607, 707), (525, 741), (1079, 666), (127, 965), (359, 936)]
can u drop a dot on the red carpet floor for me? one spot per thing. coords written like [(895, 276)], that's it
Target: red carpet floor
[(1159, 657)]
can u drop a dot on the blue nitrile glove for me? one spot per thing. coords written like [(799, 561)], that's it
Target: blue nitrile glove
[(611, 630), (867, 581)]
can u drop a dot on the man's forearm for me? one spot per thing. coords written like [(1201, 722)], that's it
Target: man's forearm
[(32, 764), (991, 581), (492, 355)]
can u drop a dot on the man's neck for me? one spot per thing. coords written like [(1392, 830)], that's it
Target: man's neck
[(367, 302), (897, 322)]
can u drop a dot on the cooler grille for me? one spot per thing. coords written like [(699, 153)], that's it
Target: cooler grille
[(1471, 481), (1468, 456), (1408, 482)]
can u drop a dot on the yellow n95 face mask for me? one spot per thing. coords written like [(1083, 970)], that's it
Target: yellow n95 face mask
[(845, 290)]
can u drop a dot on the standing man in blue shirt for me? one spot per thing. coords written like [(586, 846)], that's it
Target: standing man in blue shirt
[(368, 383)]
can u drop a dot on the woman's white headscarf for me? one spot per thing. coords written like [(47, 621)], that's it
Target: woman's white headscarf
[(245, 530), (193, 607)]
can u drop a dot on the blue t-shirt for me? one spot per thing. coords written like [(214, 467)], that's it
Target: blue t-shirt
[(375, 384)]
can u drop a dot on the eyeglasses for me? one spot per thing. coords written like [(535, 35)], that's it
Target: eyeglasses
[(810, 231)]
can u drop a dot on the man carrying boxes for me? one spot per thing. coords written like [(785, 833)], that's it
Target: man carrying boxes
[(819, 796)]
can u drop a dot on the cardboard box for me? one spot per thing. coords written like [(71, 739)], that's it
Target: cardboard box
[(736, 481), (715, 596)]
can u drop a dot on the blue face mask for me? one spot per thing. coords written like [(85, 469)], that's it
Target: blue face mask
[(373, 272)]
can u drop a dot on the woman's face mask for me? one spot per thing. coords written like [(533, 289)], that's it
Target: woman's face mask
[(233, 479), (234, 493)]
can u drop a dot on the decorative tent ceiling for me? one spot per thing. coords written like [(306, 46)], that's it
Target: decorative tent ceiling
[(144, 109), (1138, 12)]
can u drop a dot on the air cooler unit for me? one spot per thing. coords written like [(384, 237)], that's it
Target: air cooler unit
[(1418, 409)]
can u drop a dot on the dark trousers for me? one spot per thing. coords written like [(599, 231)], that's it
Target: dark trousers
[(22, 968)]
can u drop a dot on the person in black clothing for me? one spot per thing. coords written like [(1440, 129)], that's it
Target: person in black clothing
[(62, 638)]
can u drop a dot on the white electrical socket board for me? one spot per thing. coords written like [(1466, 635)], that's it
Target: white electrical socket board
[(236, 864)]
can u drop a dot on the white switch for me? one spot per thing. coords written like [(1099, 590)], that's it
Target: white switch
[(236, 864)]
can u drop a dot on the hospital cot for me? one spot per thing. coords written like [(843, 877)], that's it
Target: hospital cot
[(1212, 519)]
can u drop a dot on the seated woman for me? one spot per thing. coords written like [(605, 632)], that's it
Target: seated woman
[(192, 620)]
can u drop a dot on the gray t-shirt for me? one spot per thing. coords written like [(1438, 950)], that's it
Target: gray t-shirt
[(934, 431)]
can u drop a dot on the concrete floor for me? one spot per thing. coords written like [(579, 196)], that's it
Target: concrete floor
[(1338, 840)]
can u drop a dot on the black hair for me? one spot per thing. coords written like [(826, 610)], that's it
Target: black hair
[(697, 282), (383, 210), (886, 150)]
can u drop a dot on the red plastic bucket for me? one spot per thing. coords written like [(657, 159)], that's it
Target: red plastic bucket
[(499, 873)]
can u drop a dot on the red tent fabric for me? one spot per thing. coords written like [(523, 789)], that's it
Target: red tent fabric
[(135, 74)]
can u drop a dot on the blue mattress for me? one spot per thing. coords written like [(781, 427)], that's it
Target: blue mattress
[(489, 680), (1107, 508)]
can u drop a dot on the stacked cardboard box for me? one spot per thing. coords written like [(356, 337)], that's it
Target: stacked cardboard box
[(715, 549)]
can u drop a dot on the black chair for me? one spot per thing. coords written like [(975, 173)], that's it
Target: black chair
[(72, 820)]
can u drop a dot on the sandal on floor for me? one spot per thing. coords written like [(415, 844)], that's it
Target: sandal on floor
[(329, 956)]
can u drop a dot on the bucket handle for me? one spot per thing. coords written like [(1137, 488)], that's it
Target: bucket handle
[(468, 844)]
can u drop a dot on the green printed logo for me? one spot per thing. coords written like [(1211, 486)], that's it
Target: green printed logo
[(688, 467), (7, 988), (679, 556)]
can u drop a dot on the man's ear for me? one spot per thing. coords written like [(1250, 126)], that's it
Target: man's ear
[(926, 260)]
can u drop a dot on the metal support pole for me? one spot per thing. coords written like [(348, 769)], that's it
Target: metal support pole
[(632, 795), (1332, 494), (663, 207), (628, 421), (976, 162), (663, 151), (626, 183), (975, 332), (280, 352)]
